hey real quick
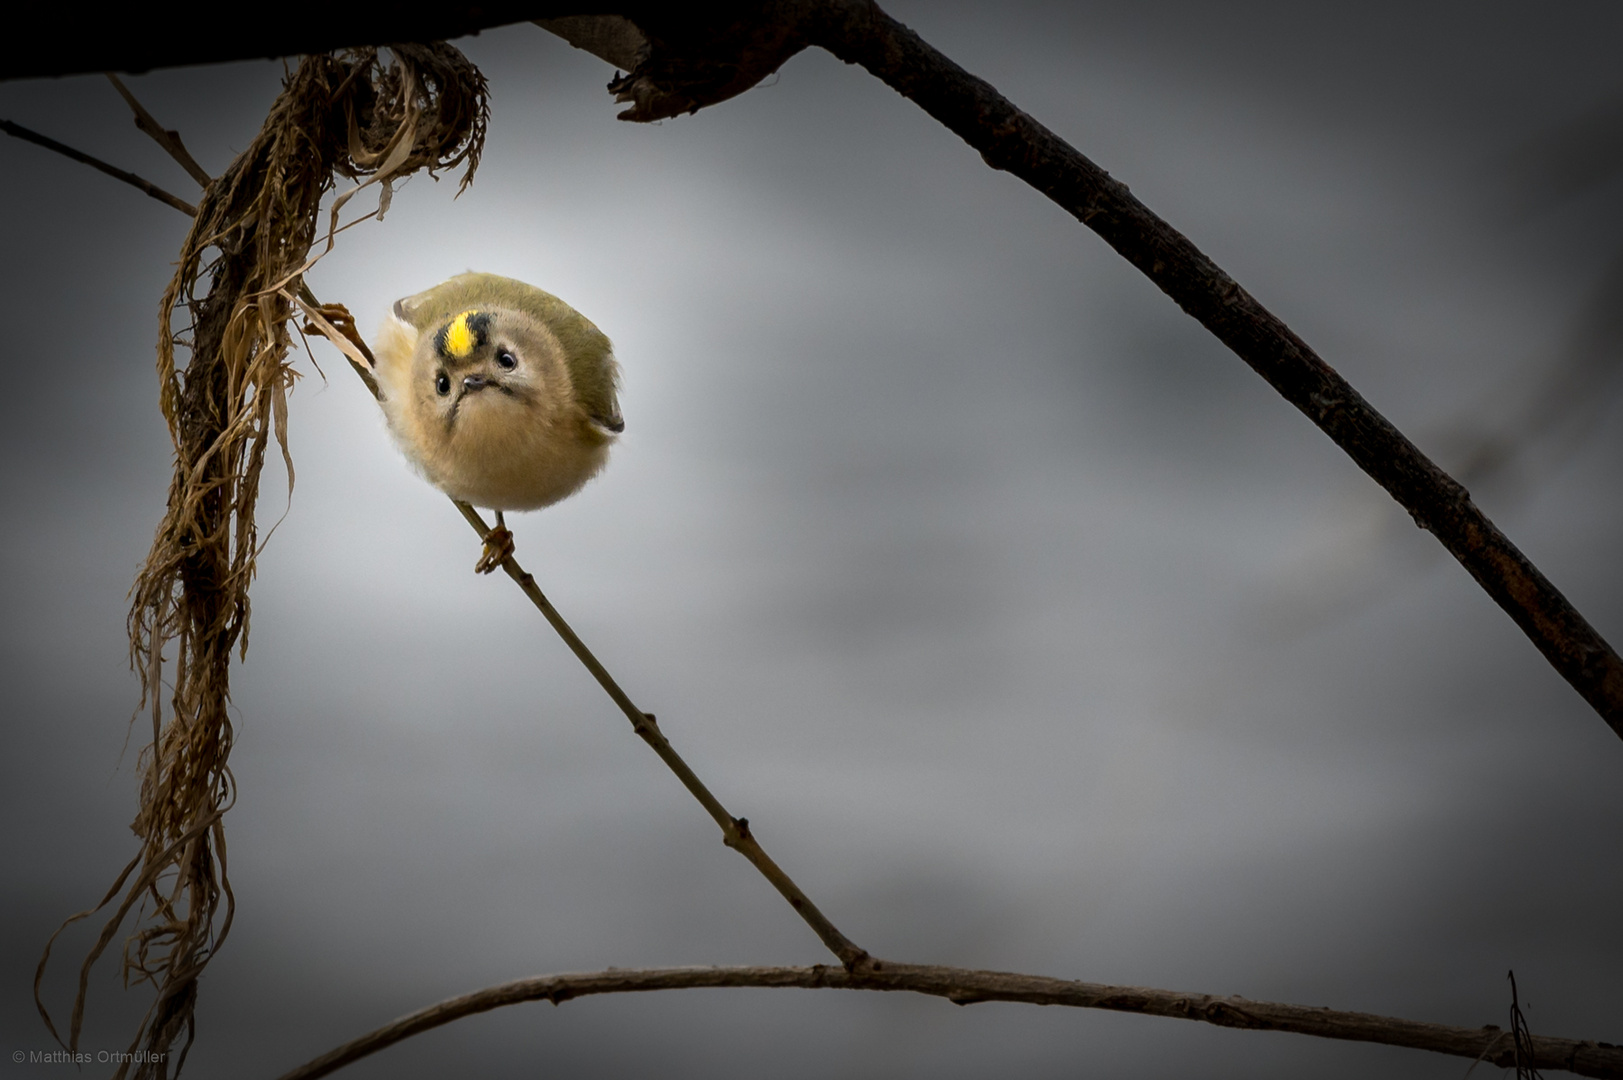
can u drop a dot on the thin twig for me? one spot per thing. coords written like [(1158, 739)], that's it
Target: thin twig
[(964, 986), (735, 831), (336, 324), (167, 138), (27, 135), (858, 32)]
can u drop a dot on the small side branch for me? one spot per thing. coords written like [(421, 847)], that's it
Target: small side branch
[(964, 986), (17, 131), (167, 138)]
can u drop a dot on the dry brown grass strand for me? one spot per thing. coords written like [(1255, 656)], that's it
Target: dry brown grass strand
[(354, 114)]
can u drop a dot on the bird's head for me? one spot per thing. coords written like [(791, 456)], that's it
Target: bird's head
[(487, 367)]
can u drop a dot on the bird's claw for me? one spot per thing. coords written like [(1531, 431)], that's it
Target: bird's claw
[(498, 546)]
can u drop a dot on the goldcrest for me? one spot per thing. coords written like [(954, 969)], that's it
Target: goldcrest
[(500, 394)]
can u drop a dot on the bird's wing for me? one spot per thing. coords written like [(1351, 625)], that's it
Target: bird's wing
[(587, 352)]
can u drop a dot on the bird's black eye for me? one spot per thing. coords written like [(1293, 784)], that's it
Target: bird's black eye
[(506, 359), (443, 383)]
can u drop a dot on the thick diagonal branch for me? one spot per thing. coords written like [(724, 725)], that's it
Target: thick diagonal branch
[(681, 70), (858, 32)]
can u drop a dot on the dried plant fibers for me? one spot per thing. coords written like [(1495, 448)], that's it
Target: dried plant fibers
[(349, 114)]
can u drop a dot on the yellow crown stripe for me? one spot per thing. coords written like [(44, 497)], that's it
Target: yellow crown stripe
[(460, 338)]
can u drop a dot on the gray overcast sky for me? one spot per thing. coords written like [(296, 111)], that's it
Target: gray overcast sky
[(1028, 627)]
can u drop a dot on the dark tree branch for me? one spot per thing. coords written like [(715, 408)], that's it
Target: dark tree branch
[(963, 986), (20, 132), (136, 38), (680, 68), (613, 38), (859, 32)]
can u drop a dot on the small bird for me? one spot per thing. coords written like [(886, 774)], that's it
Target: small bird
[(500, 394)]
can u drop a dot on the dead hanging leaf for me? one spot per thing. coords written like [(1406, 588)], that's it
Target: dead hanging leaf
[(351, 114)]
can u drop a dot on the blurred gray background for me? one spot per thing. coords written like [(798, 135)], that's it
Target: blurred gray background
[(1029, 628)]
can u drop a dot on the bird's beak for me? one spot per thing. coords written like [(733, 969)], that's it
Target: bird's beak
[(470, 383)]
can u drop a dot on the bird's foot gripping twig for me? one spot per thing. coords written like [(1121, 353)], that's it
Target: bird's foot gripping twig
[(498, 547)]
